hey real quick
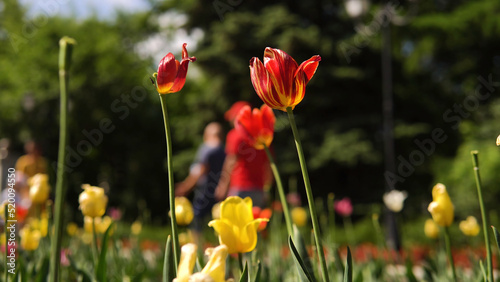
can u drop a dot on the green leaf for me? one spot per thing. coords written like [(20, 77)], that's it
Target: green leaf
[(303, 271), (497, 237), (259, 270), (483, 270), (197, 266), (43, 271), (338, 261), (348, 267), (409, 271), (245, 276), (168, 262), (101, 264), (301, 248)]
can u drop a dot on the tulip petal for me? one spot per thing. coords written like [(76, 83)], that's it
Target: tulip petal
[(309, 67), (244, 124), (187, 261), (262, 84), (227, 234), (268, 117), (298, 90), (167, 71), (257, 126), (237, 211), (248, 236), (216, 264), (281, 68), (180, 79)]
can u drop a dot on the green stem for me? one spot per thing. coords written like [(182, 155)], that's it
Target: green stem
[(171, 189), (310, 197), (378, 231), (448, 252), (281, 192), (66, 46), (240, 262), (349, 230), (475, 163), (95, 250)]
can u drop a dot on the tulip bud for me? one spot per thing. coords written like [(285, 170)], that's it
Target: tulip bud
[(39, 188), (183, 211), (344, 207), (431, 229), (72, 229), (171, 74), (236, 227), (136, 227), (92, 201), (394, 200), (441, 208), (299, 216), (30, 238), (469, 226)]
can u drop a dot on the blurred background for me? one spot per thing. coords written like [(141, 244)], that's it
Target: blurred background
[(404, 91)]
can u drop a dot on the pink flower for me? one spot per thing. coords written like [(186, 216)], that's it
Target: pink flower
[(64, 257), (115, 213), (344, 207)]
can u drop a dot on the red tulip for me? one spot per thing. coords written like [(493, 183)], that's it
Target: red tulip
[(262, 213), (172, 74), (280, 82), (257, 126)]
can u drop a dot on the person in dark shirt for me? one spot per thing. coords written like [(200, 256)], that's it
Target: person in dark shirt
[(204, 175)]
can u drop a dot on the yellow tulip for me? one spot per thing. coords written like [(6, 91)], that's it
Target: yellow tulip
[(183, 211), (41, 224), (214, 270), (136, 227), (216, 265), (185, 238), (431, 229), (299, 216), (39, 188), (87, 238), (236, 227), (469, 226), (93, 201), (441, 208), (2, 209), (30, 238), (101, 224), (186, 262), (72, 229)]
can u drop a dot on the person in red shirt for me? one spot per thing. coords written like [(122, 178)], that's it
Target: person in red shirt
[(246, 170)]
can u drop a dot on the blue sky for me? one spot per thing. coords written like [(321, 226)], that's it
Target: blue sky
[(170, 39), (84, 8)]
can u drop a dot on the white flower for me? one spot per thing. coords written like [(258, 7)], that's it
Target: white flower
[(394, 200)]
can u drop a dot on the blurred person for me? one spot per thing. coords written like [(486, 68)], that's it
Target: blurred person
[(26, 167), (246, 170), (204, 175), (7, 160), (32, 162)]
